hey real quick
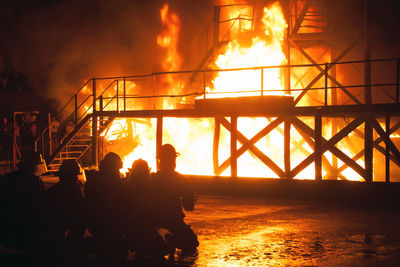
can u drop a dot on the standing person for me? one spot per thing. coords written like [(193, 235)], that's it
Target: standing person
[(172, 191)]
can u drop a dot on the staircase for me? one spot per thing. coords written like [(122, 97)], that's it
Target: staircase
[(76, 143)]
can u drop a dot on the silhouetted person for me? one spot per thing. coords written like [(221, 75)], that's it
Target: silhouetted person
[(141, 228), (104, 195), (20, 196), (172, 191), (64, 214)]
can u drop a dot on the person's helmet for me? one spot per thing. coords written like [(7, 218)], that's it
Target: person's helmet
[(111, 161), (69, 170), (29, 160), (167, 151), (69, 167), (140, 165)]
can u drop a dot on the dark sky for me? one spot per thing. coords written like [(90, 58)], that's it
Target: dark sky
[(58, 43)]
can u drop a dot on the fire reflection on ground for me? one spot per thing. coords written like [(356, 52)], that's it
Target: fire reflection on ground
[(261, 232)]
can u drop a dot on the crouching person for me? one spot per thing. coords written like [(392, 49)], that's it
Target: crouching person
[(64, 217), (141, 228), (172, 193)]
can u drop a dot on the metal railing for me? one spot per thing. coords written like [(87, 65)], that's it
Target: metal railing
[(150, 91)]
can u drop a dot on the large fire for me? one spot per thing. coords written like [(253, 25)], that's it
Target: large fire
[(193, 137)]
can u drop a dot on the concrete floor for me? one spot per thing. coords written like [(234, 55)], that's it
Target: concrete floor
[(274, 232)]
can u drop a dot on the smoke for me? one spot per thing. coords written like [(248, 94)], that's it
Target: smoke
[(59, 44)]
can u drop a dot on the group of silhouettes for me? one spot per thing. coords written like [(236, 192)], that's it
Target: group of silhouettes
[(107, 221)]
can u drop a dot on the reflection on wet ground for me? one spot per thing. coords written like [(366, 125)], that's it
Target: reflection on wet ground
[(265, 232)]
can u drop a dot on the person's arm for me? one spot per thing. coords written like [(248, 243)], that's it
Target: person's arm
[(188, 196)]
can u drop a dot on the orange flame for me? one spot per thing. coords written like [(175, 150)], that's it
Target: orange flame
[(193, 137)]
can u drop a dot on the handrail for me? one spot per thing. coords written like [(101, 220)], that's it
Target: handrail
[(69, 137), (247, 68), (116, 79)]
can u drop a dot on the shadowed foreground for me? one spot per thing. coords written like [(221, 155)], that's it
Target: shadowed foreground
[(265, 232), (242, 231)]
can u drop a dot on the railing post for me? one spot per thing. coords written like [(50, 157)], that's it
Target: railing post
[(124, 94), (233, 131), (117, 96), (262, 81), (326, 84), (318, 145), (101, 109), (204, 85), (95, 155), (43, 152)]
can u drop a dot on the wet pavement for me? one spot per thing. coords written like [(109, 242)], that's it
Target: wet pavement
[(274, 232)]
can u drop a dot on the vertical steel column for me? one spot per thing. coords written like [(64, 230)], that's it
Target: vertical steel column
[(95, 152), (326, 84), (217, 131), (367, 71), (216, 26), (387, 152), (287, 79), (368, 148), (234, 146), (159, 138), (318, 145), (286, 146)]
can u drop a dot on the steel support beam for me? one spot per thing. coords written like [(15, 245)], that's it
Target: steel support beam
[(318, 146), (95, 151), (234, 132), (159, 137), (368, 149), (286, 147)]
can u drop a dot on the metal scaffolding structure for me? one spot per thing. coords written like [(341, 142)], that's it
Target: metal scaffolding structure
[(367, 109)]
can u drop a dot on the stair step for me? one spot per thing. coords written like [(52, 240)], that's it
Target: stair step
[(70, 152), (64, 158)]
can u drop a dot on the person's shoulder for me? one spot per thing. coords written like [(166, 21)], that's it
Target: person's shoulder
[(181, 177)]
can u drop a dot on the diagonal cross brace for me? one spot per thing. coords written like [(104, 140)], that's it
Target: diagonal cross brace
[(376, 145), (324, 72), (329, 145), (249, 145)]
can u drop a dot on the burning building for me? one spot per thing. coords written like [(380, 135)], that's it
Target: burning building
[(277, 93)]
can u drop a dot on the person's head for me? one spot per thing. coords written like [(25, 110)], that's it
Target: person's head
[(111, 163), (69, 171), (140, 169), (167, 157), (29, 161)]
